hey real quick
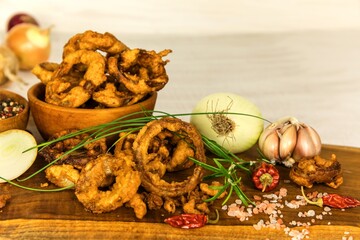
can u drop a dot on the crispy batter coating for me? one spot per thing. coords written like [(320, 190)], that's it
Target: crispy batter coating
[(63, 93), (306, 172), (170, 152), (44, 71), (68, 90), (190, 207), (78, 158), (93, 61), (111, 97), (143, 71), (90, 40), (62, 175), (180, 157), (138, 204), (170, 205), (211, 190), (152, 182), (124, 143), (154, 201), (99, 71), (97, 172)]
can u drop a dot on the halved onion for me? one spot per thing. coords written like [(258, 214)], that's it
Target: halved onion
[(13, 160)]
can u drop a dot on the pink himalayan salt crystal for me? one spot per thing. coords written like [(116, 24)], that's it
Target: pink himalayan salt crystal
[(257, 198), (282, 192)]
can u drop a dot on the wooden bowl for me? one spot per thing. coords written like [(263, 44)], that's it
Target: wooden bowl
[(17, 122), (50, 119)]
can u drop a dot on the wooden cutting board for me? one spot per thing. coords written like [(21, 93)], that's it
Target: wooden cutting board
[(58, 215)]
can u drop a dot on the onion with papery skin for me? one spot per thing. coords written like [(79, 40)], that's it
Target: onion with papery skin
[(236, 133), (20, 18), (30, 44), (9, 66), (288, 140)]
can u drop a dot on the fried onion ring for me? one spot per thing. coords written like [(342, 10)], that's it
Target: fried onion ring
[(96, 175), (143, 71), (152, 182), (94, 63), (124, 143), (90, 40), (111, 97), (44, 71), (80, 157), (64, 93), (62, 175), (99, 71), (139, 206)]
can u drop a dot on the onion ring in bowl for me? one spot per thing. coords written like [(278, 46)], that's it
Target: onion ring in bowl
[(143, 71), (90, 40), (66, 94), (94, 62), (44, 71), (152, 182), (98, 174), (112, 97)]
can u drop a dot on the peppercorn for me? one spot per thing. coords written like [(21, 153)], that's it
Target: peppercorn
[(10, 108)]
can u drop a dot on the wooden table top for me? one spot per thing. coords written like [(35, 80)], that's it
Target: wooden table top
[(55, 215)]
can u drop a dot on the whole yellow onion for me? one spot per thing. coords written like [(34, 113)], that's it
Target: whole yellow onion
[(29, 43)]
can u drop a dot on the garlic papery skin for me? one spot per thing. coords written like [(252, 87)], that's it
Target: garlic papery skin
[(287, 141), (308, 143)]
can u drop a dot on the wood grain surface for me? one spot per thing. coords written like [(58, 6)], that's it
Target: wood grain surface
[(58, 215)]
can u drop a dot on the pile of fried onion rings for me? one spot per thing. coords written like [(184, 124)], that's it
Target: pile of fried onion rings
[(140, 171), (99, 71)]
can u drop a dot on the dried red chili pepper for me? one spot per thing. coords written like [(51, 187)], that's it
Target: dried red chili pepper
[(265, 177), (188, 220), (333, 200)]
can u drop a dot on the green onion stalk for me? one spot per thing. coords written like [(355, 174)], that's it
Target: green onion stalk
[(129, 124)]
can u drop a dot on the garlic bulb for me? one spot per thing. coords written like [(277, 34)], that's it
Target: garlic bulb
[(287, 141)]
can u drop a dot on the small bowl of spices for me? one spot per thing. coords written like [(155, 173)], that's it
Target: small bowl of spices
[(14, 111)]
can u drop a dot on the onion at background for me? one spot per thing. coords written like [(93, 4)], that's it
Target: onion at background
[(20, 18), (9, 66), (235, 132), (29, 43)]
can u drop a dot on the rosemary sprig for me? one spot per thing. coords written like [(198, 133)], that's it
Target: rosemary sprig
[(231, 179)]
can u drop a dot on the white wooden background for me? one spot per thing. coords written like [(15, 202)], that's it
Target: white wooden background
[(289, 57)]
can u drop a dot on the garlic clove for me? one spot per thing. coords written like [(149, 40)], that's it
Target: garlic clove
[(266, 132), (270, 147), (275, 126), (308, 144), (288, 141)]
